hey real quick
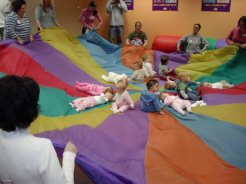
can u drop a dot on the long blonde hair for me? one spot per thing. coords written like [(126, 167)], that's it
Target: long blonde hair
[(52, 4)]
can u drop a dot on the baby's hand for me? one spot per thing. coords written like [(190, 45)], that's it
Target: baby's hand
[(71, 147)]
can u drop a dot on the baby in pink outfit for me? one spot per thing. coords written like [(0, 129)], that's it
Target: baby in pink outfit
[(123, 100), (176, 103), (85, 102), (92, 89)]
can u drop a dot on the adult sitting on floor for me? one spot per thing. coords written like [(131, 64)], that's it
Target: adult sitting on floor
[(137, 37), (195, 42)]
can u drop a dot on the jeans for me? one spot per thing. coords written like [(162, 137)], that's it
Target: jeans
[(1, 33), (84, 30), (118, 31), (194, 95)]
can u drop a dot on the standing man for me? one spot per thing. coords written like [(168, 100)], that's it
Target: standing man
[(5, 8), (116, 9)]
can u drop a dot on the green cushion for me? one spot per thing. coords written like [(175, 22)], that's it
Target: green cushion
[(212, 43)]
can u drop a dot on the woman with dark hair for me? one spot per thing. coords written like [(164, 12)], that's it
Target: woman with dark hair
[(45, 15), (88, 17), (24, 157), (238, 34), (137, 37), (17, 24), (194, 41)]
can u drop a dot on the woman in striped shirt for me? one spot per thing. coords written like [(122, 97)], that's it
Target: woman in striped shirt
[(17, 24)]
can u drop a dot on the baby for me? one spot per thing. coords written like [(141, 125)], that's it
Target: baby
[(138, 74), (171, 84), (184, 91), (147, 66), (176, 103), (114, 77), (164, 70), (150, 98), (137, 41), (92, 89), (218, 85), (122, 99), (85, 102)]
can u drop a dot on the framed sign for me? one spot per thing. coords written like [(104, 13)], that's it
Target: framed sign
[(216, 5), (165, 5), (130, 4)]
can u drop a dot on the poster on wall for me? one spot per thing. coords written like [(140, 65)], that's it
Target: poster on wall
[(130, 4), (165, 5), (216, 5)]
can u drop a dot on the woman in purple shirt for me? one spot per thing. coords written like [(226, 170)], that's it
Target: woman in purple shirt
[(88, 17)]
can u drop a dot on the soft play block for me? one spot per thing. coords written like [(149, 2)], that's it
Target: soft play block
[(166, 43)]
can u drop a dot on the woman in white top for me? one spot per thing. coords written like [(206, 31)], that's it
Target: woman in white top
[(24, 157)]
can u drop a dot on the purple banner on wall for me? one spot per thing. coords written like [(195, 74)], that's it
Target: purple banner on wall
[(216, 5), (165, 5), (130, 4)]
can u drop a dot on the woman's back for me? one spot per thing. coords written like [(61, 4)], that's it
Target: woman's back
[(28, 159)]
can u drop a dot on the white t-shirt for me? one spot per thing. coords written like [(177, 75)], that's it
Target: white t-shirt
[(100, 99), (26, 159), (5, 8), (148, 69)]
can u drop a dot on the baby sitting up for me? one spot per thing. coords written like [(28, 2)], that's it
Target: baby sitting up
[(184, 89), (164, 70), (137, 40), (147, 66), (150, 98), (138, 74), (122, 99), (85, 102), (218, 85), (176, 103)]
